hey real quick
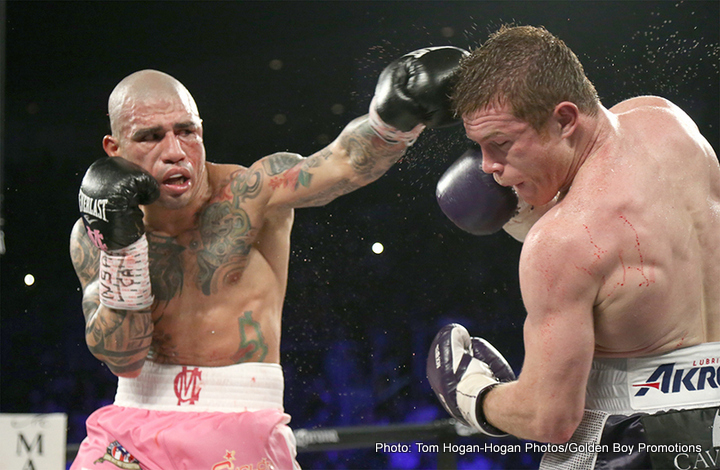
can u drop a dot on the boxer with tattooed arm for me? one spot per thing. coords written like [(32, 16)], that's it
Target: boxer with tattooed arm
[(184, 265)]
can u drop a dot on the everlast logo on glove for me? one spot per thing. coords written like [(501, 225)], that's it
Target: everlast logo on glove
[(92, 206)]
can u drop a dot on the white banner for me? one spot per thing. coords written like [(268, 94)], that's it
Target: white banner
[(33, 441)]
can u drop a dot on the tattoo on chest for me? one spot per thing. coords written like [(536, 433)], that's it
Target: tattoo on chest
[(220, 246), (224, 233), (252, 343), (166, 268)]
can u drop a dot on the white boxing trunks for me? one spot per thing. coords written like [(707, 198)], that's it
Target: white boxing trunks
[(650, 412)]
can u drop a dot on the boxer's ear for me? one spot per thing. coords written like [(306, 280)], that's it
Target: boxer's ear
[(111, 146), (566, 115)]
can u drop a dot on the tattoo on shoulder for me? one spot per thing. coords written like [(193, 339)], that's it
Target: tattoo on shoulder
[(246, 184)]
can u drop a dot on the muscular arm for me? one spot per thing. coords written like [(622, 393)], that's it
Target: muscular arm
[(119, 338), (356, 158), (546, 402)]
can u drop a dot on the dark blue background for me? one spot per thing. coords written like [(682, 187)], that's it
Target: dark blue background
[(357, 325)]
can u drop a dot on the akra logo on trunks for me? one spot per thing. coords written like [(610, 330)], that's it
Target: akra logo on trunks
[(667, 379), (187, 385)]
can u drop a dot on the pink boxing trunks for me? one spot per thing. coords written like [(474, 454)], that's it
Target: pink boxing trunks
[(193, 418)]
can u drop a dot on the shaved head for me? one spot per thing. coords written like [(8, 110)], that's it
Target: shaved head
[(145, 86)]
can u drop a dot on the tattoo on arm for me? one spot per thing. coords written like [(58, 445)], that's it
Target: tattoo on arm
[(85, 256), (370, 156), (118, 338), (285, 170), (278, 162)]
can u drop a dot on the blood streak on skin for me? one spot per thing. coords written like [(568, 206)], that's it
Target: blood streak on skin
[(641, 269), (598, 250), (597, 254)]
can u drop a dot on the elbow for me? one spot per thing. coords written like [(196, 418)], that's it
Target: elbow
[(559, 428), (560, 434), (128, 371), (128, 374)]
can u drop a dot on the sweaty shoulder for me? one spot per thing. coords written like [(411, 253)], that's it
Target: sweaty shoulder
[(559, 262), (655, 112), (219, 173), (641, 102)]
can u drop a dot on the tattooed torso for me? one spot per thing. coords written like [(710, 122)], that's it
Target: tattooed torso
[(219, 272), (224, 281)]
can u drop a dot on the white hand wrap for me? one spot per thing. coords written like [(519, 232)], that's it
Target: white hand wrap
[(388, 133), (125, 277), (477, 378)]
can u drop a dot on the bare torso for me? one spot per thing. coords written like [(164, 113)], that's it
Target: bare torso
[(646, 207), (219, 284), (224, 280)]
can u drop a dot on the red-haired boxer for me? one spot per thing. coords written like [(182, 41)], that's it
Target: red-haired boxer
[(183, 265), (620, 276)]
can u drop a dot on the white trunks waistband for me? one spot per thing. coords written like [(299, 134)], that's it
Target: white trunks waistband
[(242, 387), (681, 379)]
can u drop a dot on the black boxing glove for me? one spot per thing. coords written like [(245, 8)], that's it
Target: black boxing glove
[(461, 370), (472, 199), (110, 195), (413, 92)]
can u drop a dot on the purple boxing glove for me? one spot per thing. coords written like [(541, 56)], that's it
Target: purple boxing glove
[(461, 370), (472, 199)]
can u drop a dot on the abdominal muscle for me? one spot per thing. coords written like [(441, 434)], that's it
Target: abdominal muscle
[(238, 322), (216, 338)]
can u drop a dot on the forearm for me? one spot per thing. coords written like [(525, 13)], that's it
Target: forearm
[(119, 338), (525, 412), (357, 157), (368, 155)]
